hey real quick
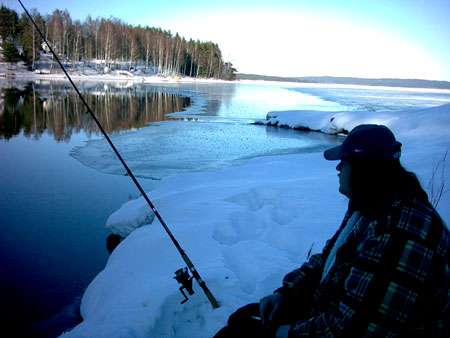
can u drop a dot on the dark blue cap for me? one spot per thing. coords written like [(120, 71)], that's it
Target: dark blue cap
[(372, 141)]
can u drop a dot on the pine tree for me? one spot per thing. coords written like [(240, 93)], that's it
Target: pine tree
[(10, 52), (28, 36), (9, 22)]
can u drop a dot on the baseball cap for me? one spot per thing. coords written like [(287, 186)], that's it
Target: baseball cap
[(372, 141)]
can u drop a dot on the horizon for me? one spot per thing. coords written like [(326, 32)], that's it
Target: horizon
[(343, 77), (397, 40)]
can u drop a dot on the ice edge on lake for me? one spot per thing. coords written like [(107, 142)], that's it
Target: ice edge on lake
[(244, 227)]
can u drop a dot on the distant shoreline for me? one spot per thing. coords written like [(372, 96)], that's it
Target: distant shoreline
[(383, 82), (20, 72)]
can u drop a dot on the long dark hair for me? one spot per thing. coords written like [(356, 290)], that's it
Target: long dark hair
[(376, 184)]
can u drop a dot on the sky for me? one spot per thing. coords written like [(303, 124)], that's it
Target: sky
[(361, 38)]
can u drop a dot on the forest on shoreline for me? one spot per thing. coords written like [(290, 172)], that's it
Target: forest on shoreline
[(110, 40)]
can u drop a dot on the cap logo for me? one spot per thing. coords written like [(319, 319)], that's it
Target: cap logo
[(358, 150)]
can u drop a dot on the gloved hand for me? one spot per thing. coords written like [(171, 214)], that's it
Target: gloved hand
[(283, 331), (269, 307)]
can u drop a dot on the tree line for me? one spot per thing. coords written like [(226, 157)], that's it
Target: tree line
[(112, 41)]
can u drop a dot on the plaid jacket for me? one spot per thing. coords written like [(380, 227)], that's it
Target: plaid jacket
[(390, 278)]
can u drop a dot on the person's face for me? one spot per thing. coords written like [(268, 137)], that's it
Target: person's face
[(345, 170)]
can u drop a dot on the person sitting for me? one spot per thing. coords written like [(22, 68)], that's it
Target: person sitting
[(385, 272)]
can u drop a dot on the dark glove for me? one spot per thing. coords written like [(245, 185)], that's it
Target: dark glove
[(270, 308)]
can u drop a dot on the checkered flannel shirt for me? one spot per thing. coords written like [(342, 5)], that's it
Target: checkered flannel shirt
[(390, 278)]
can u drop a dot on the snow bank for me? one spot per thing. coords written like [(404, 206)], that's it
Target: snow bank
[(401, 122), (130, 216), (244, 227)]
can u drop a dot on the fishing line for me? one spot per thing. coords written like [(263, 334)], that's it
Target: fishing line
[(182, 279)]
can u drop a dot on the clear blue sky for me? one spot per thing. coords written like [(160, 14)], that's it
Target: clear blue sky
[(364, 38)]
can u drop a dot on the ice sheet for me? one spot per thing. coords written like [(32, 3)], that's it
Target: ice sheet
[(171, 147)]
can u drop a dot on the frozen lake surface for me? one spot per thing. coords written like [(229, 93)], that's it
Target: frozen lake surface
[(179, 146)]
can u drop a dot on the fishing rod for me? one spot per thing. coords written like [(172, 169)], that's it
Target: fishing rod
[(181, 275)]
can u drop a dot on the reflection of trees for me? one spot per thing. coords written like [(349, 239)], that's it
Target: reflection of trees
[(21, 110), (60, 112)]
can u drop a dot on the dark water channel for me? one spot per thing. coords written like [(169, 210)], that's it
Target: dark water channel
[(53, 208)]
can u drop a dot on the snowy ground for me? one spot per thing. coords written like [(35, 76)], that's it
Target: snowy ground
[(86, 73), (243, 227)]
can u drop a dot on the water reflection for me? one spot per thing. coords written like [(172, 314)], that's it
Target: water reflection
[(57, 110)]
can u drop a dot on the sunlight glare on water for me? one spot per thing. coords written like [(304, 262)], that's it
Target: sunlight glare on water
[(251, 101)]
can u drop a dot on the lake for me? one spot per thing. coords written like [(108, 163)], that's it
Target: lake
[(60, 181)]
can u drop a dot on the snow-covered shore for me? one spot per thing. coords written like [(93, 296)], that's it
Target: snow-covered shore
[(20, 72), (86, 73), (244, 227)]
